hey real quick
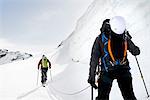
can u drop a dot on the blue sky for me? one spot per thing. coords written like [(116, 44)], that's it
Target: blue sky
[(32, 22)]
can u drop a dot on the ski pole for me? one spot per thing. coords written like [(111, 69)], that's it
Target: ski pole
[(50, 74), (142, 76), (91, 92), (37, 77)]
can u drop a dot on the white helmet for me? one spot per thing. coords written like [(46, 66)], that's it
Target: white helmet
[(118, 24)]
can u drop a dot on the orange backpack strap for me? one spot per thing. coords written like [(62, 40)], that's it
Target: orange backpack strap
[(111, 54), (109, 50), (125, 51)]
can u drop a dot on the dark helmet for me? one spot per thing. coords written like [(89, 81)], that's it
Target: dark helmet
[(43, 57)]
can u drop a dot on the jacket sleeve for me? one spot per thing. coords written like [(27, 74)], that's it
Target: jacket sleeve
[(39, 63), (95, 55), (49, 63), (133, 48)]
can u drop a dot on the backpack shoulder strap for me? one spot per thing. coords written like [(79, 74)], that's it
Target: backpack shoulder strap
[(111, 54)]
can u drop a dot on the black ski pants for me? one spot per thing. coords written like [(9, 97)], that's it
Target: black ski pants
[(44, 74), (124, 80)]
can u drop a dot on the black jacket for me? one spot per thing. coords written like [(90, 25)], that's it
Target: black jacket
[(100, 52)]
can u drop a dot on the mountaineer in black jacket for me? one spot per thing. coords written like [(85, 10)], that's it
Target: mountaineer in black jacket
[(110, 47)]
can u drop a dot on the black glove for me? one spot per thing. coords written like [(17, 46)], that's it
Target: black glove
[(136, 51), (91, 81)]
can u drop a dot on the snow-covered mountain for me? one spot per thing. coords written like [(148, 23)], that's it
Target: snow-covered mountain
[(70, 61), (10, 56), (76, 49)]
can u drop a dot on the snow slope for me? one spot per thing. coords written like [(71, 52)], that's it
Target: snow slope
[(71, 59), (77, 46), (19, 79)]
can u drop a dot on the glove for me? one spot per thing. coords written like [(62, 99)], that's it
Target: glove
[(136, 51), (91, 81)]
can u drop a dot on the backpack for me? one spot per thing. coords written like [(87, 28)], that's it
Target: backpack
[(108, 53)]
